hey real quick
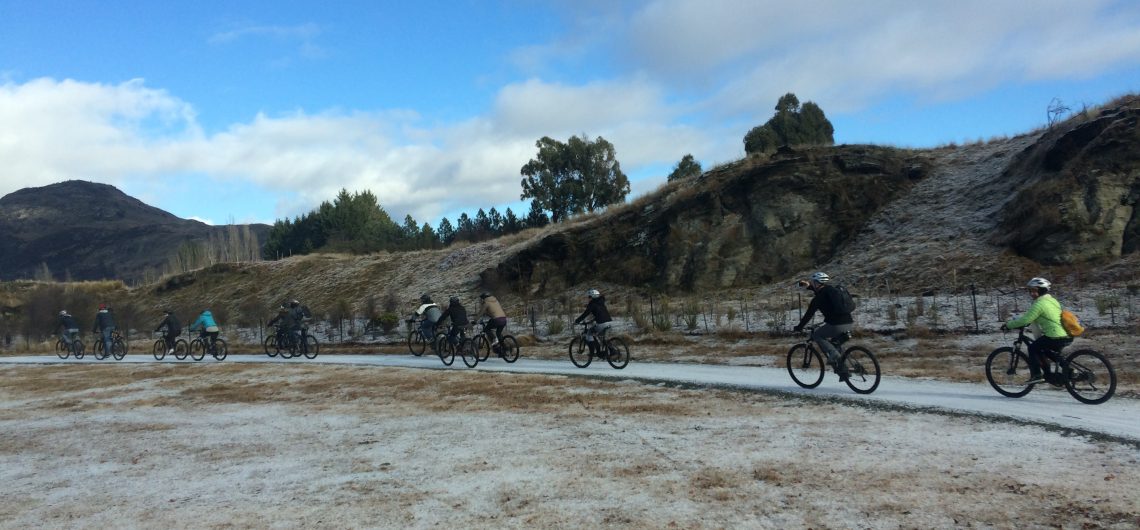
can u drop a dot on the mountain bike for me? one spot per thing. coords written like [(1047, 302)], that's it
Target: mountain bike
[(508, 350), (1086, 374), (200, 346), (417, 341), (159, 350), (447, 348), (118, 347), (615, 351), (806, 366), (63, 349)]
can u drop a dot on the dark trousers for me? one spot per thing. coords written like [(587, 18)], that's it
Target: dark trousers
[(1045, 346)]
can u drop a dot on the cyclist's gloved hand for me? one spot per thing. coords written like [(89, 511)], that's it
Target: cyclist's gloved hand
[(1004, 327)]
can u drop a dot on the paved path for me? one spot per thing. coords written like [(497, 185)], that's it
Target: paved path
[(1119, 417)]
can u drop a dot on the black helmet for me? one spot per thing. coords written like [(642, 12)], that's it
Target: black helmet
[(453, 300), (168, 311), (484, 294), (294, 303), (424, 298)]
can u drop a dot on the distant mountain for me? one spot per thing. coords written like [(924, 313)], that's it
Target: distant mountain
[(89, 231)]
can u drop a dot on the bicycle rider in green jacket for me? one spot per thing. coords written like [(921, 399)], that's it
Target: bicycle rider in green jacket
[(1046, 313)]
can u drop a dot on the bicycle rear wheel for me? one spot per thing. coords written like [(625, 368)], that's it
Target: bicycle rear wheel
[(469, 353), (1007, 371), (118, 349), (312, 347), (617, 353), (159, 349), (77, 348), (221, 349), (862, 369), (511, 349), (805, 365), (197, 350), (580, 353), (416, 344), (1091, 378), (181, 349)]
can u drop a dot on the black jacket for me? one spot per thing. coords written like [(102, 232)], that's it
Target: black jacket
[(457, 313), (829, 301), (597, 308), (103, 320), (170, 324), (284, 321), (68, 322)]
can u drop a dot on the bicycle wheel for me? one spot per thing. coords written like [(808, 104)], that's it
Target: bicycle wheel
[(269, 345), (862, 369), (77, 348), (446, 351), (579, 353), (1008, 372), (482, 347), (221, 350), (97, 350), (416, 343), (468, 352), (62, 350), (197, 350), (181, 349), (126, 345), (159, 349), (511, 349), (118, 349), (805, 365), (1091, 377), (618, 352), (310, 347)]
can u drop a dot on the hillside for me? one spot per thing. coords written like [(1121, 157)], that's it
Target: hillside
[(1057, 202), (89, 231)]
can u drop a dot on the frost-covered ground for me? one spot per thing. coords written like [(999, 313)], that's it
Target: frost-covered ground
[(179, 445)]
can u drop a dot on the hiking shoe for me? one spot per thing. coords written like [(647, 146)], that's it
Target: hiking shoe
[(1034, 379)]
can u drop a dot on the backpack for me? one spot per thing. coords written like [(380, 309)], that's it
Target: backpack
[(846, 301), (1071, 323)]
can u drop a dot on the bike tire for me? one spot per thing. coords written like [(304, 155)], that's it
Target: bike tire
[(446, 352), (159, 350), (181, 349), (62, 351), (97, 350), (580, 353), (269, 345), (805, 365), (510, 348), (437, 342), (118, 349), (469, 354), (1091, 378), (862, 369), (77, 348), (617, 353), (311, 347), (197, 350), (221, 349), (1007, 370), (416, 344), (482, 347)]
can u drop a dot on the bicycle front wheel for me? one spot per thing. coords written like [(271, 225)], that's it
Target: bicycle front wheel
[(617, 353), (416, 343), (311, 347), (221, 350), (805, 365), (97, 350), (580, 353), (197, 350), (159, 349), (482, 347), (62, 350), (269, 345), (862, 369), (511, 349), (446, 351), (1091, 378), (1007, 370)]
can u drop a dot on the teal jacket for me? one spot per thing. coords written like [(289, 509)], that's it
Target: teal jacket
[(1046, 313), (205, 320)]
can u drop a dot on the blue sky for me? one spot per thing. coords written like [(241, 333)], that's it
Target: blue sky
[(255, 110)]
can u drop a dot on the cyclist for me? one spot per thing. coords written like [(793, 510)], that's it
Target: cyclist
[(171, 328), (301, 316), (1046, 313), (596, 307), (105, 325), (836, 321), (458, 315), (206, 327), (69, 326), (497, 319), (429, 312), (285, 324)]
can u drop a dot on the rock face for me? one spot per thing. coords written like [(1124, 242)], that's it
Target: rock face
[(744, 224), (90, 231), (1078, 203)]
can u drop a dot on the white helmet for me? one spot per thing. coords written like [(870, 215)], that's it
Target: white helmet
[(593, 293), (1038, 282), (63, 313), (820, 277)]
